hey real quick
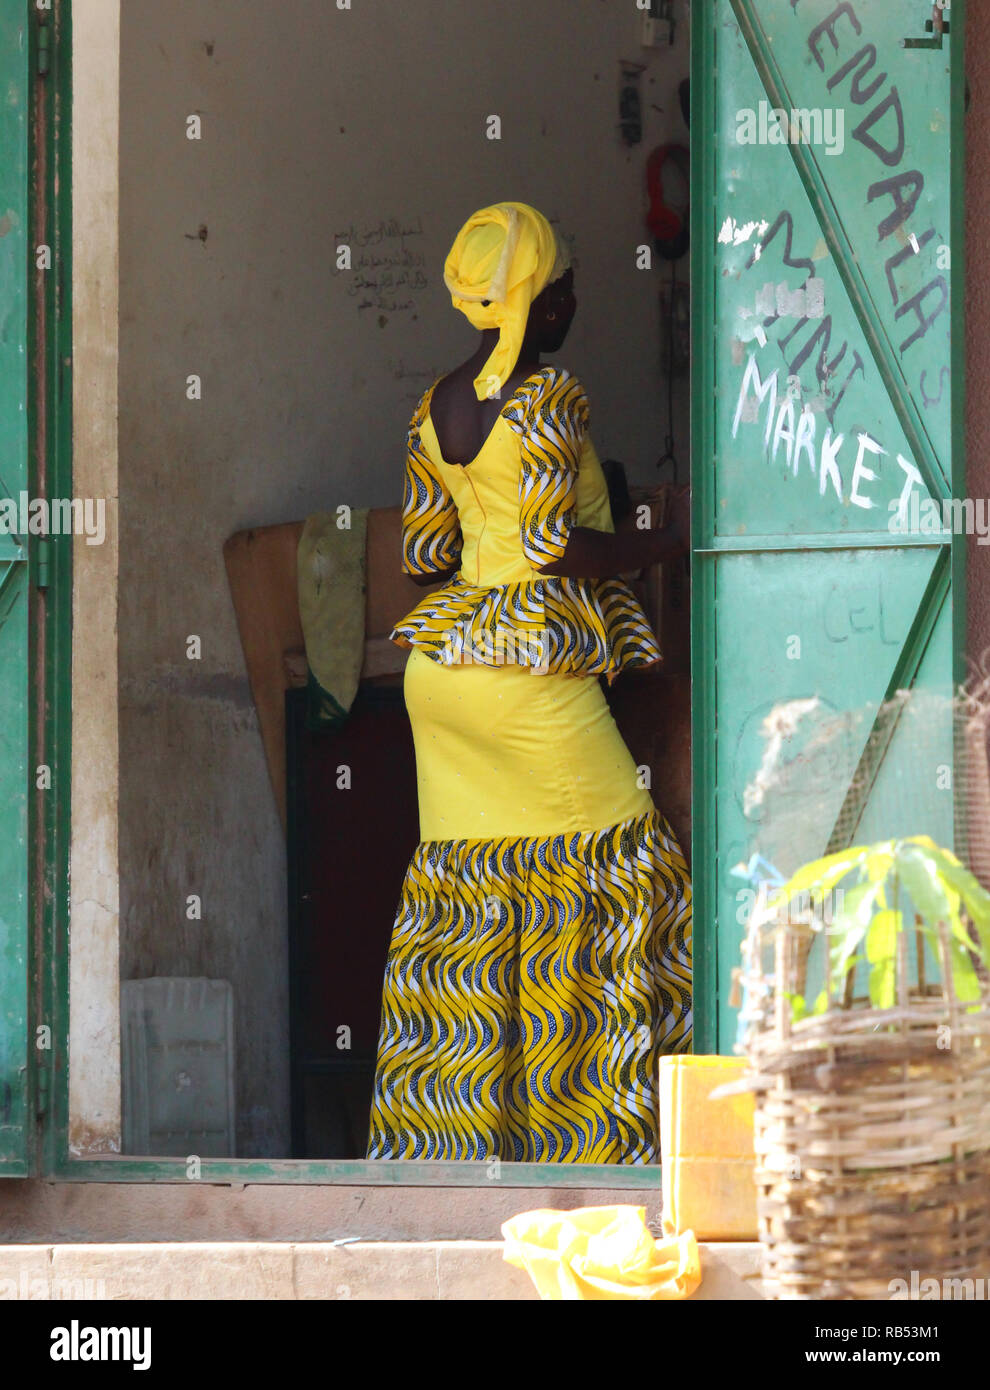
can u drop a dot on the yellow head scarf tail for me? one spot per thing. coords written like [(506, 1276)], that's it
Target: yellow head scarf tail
[(506, 254)]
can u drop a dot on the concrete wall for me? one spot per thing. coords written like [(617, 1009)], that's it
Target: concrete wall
[(321, 125)]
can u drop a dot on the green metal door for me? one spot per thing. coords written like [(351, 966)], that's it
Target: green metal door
[(827, 397), (14, 652)]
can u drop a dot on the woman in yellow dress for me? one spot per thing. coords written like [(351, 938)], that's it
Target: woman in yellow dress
[(540, 960)]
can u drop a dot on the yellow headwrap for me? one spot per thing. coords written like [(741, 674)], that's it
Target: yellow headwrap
[(507, 254)]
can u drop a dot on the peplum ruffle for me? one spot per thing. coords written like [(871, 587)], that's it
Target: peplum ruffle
[(553, 625)]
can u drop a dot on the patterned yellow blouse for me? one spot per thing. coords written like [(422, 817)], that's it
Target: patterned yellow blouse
[(504, 515)]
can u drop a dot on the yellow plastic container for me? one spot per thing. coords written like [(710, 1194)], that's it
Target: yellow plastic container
[(707, 1150)]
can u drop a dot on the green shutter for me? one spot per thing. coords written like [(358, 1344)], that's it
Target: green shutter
[(14, 666), (838, 275)]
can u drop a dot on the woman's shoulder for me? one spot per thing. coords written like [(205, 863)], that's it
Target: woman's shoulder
[(552, 393), (554, 380)]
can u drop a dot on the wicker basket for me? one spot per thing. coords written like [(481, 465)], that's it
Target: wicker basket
[(872, 1125)]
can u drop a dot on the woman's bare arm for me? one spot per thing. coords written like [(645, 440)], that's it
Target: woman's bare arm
[(594, 554)]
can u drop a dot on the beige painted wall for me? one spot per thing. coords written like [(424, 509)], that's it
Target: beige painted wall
[(320, 124)]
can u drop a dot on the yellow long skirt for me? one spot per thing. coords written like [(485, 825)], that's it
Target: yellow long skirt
[(540, 960)]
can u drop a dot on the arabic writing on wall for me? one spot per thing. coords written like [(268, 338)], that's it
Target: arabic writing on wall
[(385, 268)]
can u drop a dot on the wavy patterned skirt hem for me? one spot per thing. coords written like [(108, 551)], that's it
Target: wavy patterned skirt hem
[(532, 985)]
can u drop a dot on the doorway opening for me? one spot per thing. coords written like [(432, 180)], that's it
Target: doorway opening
[(262, 382)]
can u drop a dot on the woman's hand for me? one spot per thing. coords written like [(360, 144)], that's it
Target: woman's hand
[(594, 554), (679, 519)]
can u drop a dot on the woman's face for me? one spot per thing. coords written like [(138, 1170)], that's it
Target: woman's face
[(556, 307)]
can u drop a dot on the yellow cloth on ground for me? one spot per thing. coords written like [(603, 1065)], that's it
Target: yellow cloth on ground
[(709, 1180), (505, 254), (601, 1253), (330, 571)]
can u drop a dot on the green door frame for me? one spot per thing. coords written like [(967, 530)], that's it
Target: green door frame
[(17, 557), (54, 424), (50, 416)]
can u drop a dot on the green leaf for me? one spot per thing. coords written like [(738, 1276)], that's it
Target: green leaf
[(842, 952), (821, 875), (847, 930), (960, 931), (939, 887), (881, 952), (881, 939), (852, 915), (799, 1009), (965, 981), (879, 862), (930, 895), (973, 894)]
